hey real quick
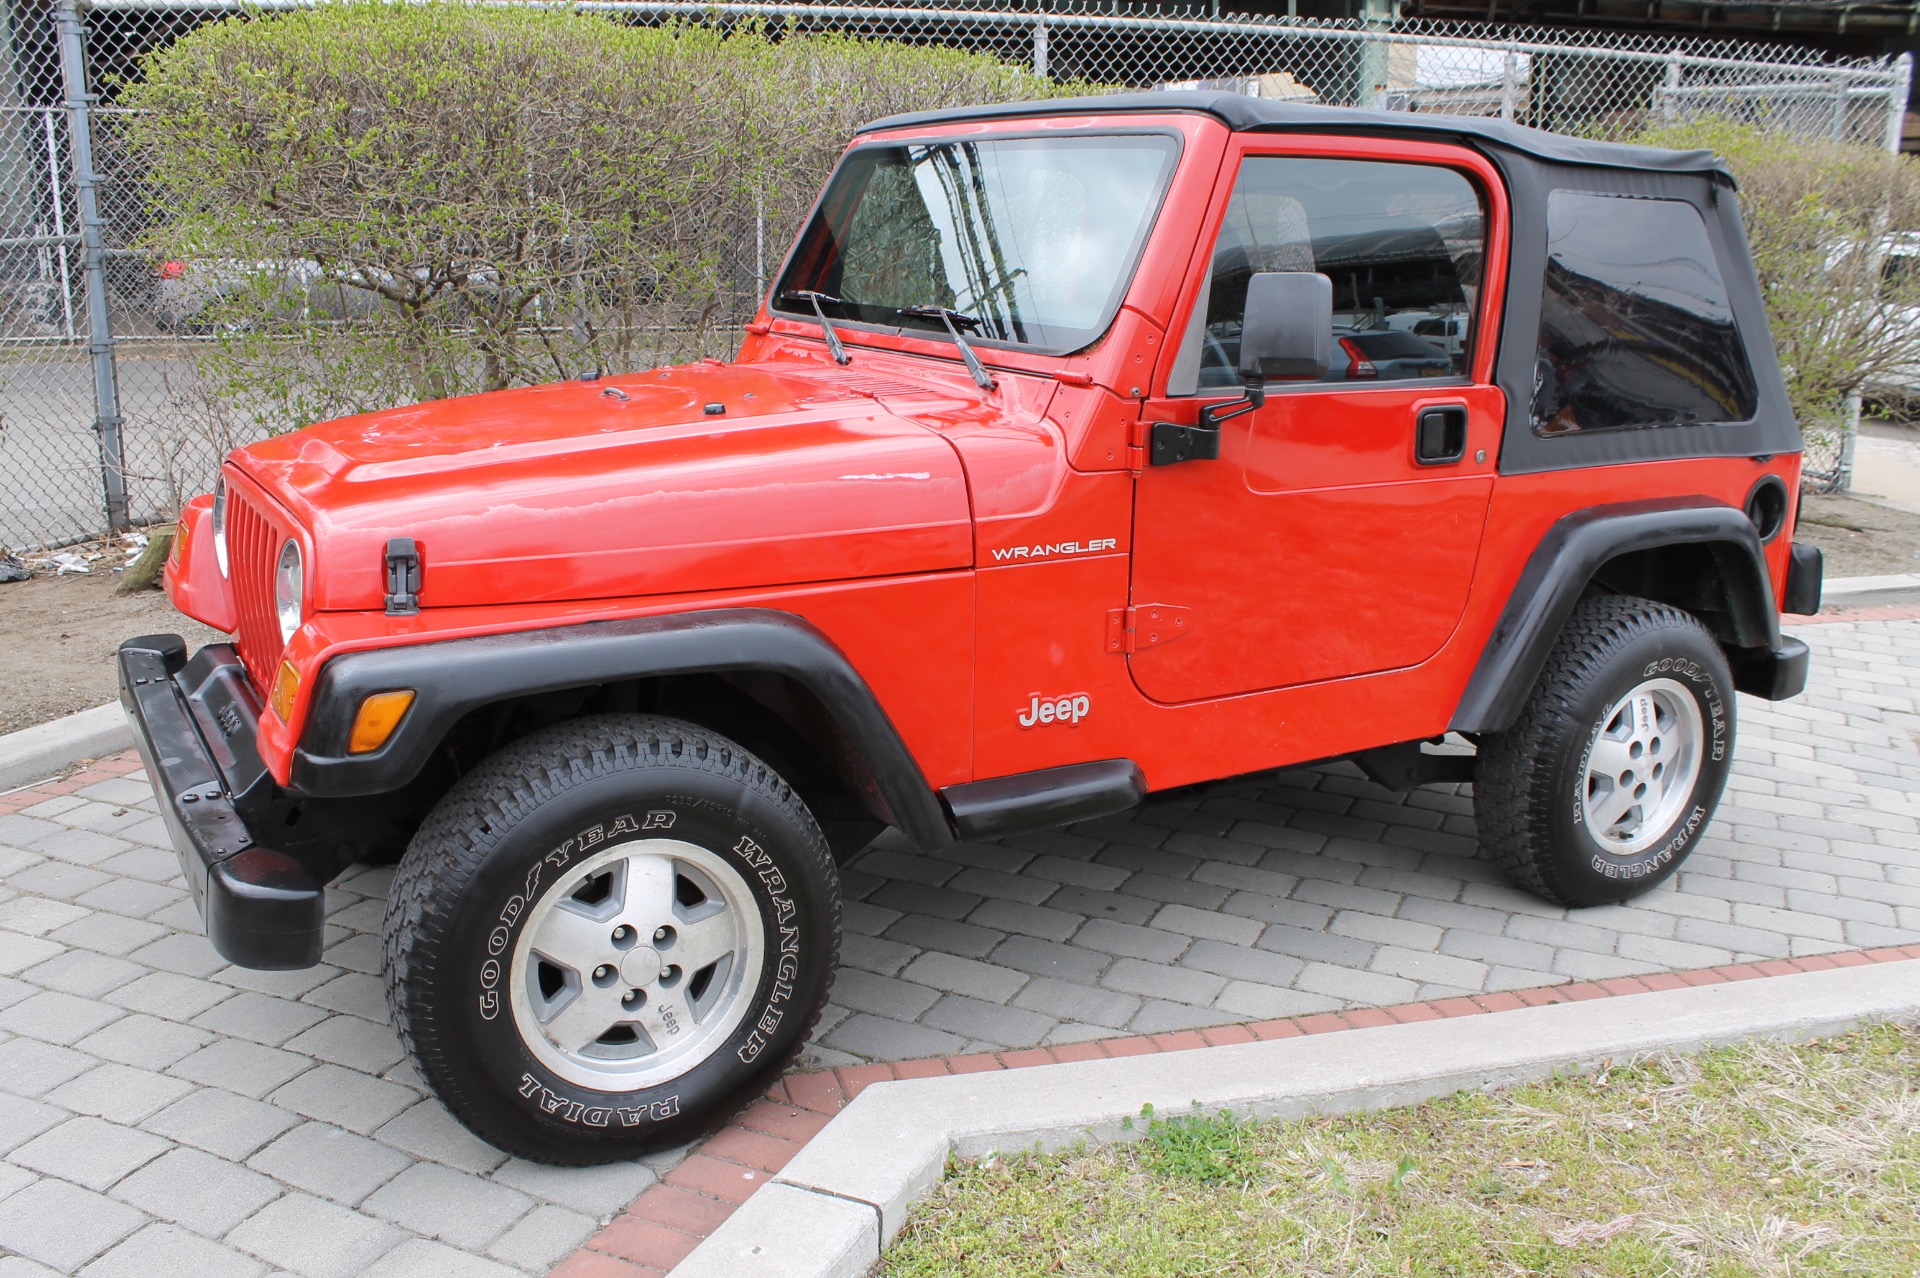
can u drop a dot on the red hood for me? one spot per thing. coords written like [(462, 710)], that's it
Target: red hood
[(624, 486)]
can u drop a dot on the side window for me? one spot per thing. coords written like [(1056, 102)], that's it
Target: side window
[(1402, 243), (1635, 326)]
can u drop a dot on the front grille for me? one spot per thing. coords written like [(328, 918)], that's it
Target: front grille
[(253, 547)]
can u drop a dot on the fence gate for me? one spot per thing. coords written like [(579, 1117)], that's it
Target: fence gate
[(104, 423)]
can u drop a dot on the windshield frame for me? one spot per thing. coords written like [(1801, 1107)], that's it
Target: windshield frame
[(1125, 277)]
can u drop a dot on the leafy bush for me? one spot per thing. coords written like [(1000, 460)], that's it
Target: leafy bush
[(1823, 219), (381, 203)]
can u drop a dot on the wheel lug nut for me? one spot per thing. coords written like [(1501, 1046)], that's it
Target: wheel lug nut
[(660, 934)]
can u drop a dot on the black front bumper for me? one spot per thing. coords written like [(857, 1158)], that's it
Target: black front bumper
[(194, 724)]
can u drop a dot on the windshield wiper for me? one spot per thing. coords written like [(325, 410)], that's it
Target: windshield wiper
[(840, 355), (951, 318)]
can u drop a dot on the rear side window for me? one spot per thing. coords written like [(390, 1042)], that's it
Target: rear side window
[(1635, 326)]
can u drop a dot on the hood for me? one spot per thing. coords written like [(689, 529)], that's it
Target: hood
[(624, 486)]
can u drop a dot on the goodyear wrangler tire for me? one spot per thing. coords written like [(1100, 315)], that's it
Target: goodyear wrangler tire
[(610, 936), (1618, 759)]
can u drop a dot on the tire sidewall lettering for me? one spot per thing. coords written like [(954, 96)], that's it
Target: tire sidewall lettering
[(1701, 680), (724, 830)]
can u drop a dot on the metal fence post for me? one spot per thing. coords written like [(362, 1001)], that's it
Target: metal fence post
[(1040, 48), (106, 388), (59, 226), (1897, 101), (1670, 96)]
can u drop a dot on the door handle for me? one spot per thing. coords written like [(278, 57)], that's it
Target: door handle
[(1440, 435)]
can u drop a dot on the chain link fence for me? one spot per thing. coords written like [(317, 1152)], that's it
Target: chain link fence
[(106, 423)]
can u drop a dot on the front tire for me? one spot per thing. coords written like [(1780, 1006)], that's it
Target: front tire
[(1617, 761), (610, 936)]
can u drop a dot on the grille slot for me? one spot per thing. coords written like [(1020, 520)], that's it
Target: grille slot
[(252, 546)]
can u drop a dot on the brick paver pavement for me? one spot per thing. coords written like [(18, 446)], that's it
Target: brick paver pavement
[(164, 1113), (1318, 890)]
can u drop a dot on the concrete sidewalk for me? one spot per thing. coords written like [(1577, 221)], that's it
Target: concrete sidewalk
[(831, 1210)]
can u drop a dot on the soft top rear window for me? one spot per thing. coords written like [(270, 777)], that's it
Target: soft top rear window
[(1636, 329)]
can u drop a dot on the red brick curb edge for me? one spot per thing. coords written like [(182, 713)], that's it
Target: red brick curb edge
[(93, 772), (672, 1218), (1863, 612)]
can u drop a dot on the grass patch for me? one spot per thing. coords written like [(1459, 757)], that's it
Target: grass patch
[(1763, 1159)]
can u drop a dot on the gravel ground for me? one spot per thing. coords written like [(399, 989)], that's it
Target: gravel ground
[(1861, 538), (58, 636)]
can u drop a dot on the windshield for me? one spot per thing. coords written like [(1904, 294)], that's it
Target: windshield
[(1033, 238)]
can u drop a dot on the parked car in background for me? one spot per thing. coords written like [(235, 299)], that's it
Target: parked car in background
[(1387, 355), (195, 294), (1897, 391), (1449, 332)]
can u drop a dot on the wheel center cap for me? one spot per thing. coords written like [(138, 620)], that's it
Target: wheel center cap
[(640, 966)]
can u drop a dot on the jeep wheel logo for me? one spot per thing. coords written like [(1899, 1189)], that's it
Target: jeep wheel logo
[(1070, 709)]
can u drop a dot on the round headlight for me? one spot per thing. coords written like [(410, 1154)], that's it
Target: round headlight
[(220, 524), (289, 587)]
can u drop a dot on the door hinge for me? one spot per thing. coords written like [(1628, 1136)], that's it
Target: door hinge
[(1145, 626), (1139, 437), (1174, 443)]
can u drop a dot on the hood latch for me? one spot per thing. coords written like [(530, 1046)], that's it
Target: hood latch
[(403, 577)]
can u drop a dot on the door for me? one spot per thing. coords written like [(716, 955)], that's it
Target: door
[(1337, 531)]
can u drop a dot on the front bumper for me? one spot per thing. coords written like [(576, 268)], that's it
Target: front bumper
[(194, 724)]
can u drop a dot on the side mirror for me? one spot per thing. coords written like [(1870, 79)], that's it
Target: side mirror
[(1287, 331), (1288, 328)]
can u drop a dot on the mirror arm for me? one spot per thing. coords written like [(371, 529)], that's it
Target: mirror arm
[(1255, 396), (1171, 444)]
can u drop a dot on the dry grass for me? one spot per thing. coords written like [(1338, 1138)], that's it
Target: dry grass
[(1766, 1159)]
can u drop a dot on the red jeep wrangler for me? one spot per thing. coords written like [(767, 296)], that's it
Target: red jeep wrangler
[(1084, 449)]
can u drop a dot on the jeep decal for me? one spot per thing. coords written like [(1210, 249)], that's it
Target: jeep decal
[(1069, 709)]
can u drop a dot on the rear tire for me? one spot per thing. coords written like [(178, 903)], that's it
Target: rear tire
[(1617, 761), (609, 937)]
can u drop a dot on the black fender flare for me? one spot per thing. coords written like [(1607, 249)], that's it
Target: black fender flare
[(1565, 561), (454, 677)]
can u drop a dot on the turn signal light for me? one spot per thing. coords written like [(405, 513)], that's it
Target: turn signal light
[(379, 715), (286, 686)]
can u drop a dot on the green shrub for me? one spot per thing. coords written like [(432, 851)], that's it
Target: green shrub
[(382, 203), (1822, 219)]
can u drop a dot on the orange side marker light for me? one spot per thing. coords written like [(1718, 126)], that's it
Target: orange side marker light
[(379, 715)]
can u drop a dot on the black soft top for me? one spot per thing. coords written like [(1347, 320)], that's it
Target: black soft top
[(1253, 115), (1534, 166)]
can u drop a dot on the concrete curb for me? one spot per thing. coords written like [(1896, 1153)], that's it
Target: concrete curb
[(1854, 592), (36, 753), (833, 1208)]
